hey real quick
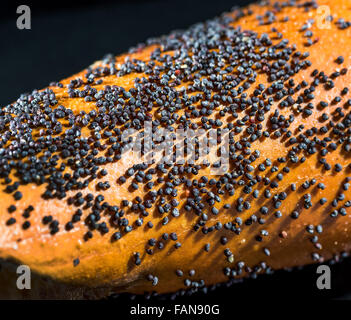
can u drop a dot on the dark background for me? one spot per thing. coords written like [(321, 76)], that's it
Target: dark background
[(67, 36)]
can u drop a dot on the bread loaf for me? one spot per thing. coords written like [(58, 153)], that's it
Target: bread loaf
[(90, 217)]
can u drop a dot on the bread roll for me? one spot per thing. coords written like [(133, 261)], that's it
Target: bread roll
[(89, 218)]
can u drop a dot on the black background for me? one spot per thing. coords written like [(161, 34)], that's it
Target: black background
[(67, 36)]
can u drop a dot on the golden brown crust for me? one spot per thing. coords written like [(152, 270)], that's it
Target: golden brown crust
[(110, 265)]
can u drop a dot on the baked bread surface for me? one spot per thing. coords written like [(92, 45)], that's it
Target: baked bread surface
[(302, 139)]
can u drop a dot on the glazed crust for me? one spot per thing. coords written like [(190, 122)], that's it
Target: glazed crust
[(108, 266)]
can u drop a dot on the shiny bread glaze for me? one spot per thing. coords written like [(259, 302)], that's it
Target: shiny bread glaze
[(257, 234)]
